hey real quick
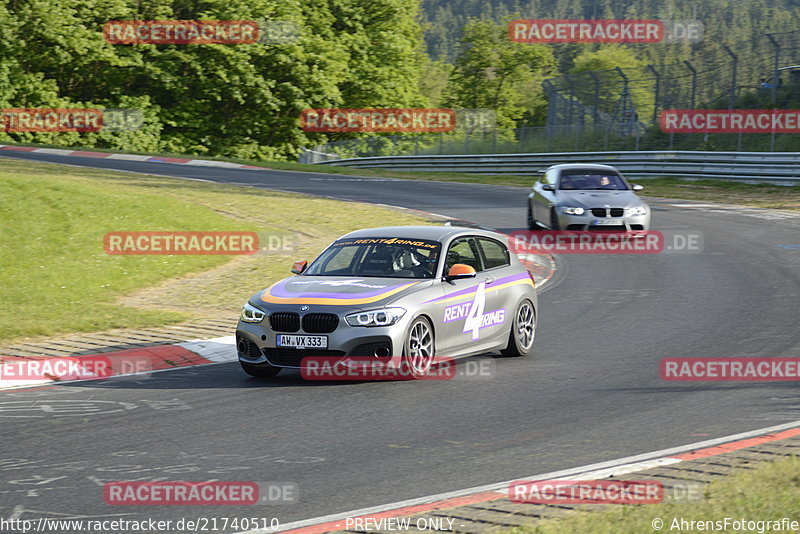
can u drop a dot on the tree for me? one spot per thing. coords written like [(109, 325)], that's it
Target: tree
[(496, 73), (606, 87)]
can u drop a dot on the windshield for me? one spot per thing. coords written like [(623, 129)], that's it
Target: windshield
[(386, 257), (591, 180)]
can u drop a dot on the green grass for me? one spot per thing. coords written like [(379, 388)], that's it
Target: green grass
[(768, 492), (756, 195), (56, 278)]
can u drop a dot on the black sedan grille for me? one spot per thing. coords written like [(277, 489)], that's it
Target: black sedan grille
[(320, 323), (284, 322), (599, 212)]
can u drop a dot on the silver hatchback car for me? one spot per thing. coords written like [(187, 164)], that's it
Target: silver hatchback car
[(402, 296), (582, 196)]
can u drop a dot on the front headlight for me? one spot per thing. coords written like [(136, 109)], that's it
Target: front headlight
[(384, 317), (638, 210), (251, 314), (573, 211)]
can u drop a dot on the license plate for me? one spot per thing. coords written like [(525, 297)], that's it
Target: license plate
[(605, 222), (302, 342)]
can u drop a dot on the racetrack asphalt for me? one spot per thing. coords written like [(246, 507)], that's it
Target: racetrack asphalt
[(590, 393)]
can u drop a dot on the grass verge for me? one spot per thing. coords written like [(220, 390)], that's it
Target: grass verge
[(767, 492), (755, 195), (57, 278)]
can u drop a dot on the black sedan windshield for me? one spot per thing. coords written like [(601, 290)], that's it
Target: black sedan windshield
[(388, 257)]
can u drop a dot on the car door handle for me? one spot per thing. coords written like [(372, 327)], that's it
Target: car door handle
[(489, 279)]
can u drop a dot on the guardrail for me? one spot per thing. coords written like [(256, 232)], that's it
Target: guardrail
[(756, 167)]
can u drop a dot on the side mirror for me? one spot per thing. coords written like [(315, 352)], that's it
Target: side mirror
[(299, 266), (548, 187), (637, 187), (459, 271)]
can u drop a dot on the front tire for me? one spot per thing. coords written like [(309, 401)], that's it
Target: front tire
[(531, 221), (260, 371), (523, 331), (418, 349), (553, 219)]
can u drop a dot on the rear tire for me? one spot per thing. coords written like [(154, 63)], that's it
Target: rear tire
[(260, 371), (523, 331)]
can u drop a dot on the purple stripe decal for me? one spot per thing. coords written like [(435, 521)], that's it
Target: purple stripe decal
[(472, 289), (280, 292)]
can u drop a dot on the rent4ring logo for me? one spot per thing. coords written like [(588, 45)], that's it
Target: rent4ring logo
[(472, 313)]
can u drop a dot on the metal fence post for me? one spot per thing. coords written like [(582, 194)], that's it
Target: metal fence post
[(735, 59), (571, 100), (694, 82), (775, 76), (596, 103), (656, 92)]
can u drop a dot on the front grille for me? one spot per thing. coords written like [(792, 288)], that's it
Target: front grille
[(292, 357), (617, 212), (284, 322), (599, 212), (320, 323)]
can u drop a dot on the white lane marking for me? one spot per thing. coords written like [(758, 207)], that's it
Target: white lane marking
[(56, 151), (212, 163), (129, 157), (218, 349), (620, 466)]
